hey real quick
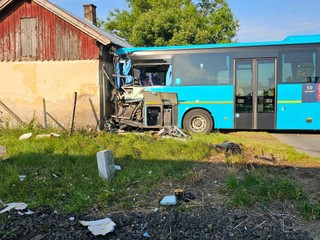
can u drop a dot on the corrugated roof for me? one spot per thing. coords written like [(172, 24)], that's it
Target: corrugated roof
[(100, 35)]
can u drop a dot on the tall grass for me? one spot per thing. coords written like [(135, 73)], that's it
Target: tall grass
[(263, 187), (61, 172)]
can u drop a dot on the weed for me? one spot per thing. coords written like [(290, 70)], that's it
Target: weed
[(258, 186), (61, 173)]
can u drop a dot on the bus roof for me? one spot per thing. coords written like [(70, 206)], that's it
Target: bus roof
[(301, 39)]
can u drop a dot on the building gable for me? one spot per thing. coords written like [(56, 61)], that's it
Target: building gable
[(39, 30), (30, 32)]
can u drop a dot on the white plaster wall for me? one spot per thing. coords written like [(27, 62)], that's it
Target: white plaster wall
[(25, 86)]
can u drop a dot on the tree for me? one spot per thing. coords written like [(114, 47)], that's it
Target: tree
[(173, 22)]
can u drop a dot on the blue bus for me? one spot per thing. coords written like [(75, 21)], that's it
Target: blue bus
[(261, 86)]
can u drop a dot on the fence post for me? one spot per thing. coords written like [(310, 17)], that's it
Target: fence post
[(73, 112)]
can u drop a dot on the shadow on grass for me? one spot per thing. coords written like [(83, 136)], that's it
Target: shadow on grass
[(70, 183)]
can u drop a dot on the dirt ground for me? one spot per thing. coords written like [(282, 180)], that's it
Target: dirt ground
[(208, 177), (205, 217)]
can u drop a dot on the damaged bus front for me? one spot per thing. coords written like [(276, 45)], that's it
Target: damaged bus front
[(137, 97)]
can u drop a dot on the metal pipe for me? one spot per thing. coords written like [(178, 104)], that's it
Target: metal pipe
[(73, 112)]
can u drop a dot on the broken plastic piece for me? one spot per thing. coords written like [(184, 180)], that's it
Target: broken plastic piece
[(99, 227), (25, 136), (14, 205), (117, 167), (169, 200), (146, 235), (22, 177)]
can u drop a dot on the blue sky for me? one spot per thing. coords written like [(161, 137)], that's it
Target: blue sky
[(260, 20)]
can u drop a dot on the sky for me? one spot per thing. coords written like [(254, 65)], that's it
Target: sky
[(260, 20)]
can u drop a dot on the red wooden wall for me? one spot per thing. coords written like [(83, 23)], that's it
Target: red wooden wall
[(56, 38)]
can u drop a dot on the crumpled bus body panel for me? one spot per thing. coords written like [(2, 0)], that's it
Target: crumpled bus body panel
[(139, 107)]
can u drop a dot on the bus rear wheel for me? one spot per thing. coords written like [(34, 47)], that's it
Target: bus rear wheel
[(198, 121)]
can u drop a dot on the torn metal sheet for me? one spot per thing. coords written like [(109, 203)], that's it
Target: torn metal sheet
[(172, 131), (99, 227)]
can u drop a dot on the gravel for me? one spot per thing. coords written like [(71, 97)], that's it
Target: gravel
[(174, 222)]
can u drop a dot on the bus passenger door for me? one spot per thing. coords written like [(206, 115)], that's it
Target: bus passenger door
[(255, 93), (243, 94)]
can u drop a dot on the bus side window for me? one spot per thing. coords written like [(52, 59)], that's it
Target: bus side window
[(298, 66)]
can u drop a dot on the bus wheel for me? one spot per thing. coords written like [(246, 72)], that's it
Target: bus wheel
[(198, 121)]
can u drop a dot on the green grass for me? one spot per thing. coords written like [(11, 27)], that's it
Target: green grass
[(263, 187), (62, 174)]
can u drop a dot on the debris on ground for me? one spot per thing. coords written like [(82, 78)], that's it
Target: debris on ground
[(99, 227), (28, 212), (169, 200), (14, 205), (146, 235), (206, 222), (25, 136), (172, 132), (183, 195), (271, 159), (3, 153), (48, 135), (117, 167), (22, 177), (228, 147)]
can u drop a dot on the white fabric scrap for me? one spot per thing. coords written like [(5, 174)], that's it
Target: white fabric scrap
[(29, 212), (14, 205), (25, 136), (99, 227), (47, 135)]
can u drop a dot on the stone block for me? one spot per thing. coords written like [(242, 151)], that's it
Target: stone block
[(105, 164)]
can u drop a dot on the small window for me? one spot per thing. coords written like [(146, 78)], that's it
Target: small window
[(201, 69), (298, 66), (150, 75), (29, 40)]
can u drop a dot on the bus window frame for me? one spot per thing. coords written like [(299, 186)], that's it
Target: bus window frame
[(311, 49)]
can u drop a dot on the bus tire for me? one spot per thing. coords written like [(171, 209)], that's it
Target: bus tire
[(198, 121)]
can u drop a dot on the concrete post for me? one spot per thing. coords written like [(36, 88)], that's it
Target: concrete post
[(105, 164)]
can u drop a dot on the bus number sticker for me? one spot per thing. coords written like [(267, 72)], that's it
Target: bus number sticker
[(310, 92)]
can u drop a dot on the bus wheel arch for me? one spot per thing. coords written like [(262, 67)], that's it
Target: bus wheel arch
[(198, 120)]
